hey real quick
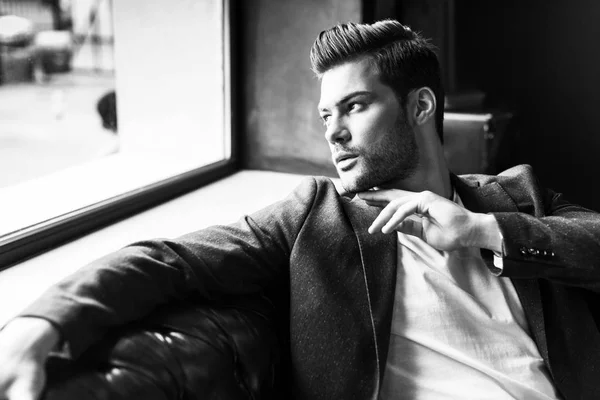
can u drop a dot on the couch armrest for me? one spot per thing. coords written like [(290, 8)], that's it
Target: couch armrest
[(182, 351)]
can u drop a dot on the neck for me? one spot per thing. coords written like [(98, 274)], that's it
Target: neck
[(431, 174)]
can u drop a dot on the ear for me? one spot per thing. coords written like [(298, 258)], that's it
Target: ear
[(424, 105)]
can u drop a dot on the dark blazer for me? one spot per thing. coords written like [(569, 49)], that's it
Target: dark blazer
[(333, 283)]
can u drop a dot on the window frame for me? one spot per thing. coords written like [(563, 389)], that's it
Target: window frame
[(34, 240)]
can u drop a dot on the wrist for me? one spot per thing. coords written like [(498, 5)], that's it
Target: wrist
[(486, 233), (36, 335)]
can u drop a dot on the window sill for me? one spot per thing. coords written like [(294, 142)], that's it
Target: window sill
[(75, 188), (44, 213), (221, 202)]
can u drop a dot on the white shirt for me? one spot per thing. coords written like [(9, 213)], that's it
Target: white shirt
[(458, 331)]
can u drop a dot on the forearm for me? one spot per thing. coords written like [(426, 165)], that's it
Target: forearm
[(563, 248), (130, 284), (127, 285), (559, 249)]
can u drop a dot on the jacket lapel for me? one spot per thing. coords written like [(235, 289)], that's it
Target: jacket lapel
[(378, 258), (491, 197)]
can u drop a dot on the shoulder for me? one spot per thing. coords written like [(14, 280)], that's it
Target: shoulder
[(310, 194), (517, 186), (319, 186), (520, 175)]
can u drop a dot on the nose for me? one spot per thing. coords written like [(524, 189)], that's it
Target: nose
[(337, 131)]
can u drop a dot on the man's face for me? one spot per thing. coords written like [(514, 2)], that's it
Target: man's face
[(371, 142)]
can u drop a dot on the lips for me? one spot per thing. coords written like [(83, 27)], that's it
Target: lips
[(343, 156)]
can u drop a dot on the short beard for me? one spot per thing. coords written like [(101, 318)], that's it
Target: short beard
[(388, 162)]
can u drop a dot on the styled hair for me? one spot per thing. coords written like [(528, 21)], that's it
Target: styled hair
[(403, 59)]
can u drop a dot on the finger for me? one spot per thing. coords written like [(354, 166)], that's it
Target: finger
[(383, 217), (402, 214), (388, 213), (385, 194), (377, 203), (385, 200), (412, 225)]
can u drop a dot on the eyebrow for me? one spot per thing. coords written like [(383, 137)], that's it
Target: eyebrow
[(348, 97)]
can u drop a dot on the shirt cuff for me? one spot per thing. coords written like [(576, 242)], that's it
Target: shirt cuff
[(62, 350), (498, 264), (499, 259)]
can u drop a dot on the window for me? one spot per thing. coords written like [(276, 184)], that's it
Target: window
[(56, 73), (171, 79)]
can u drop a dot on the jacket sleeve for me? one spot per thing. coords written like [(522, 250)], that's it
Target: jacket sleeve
[(242, 258), (562, 246)]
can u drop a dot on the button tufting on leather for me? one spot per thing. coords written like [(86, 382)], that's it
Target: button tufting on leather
[(162, 355)]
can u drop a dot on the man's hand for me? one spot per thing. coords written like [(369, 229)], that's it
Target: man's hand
[(25, 344), (444, 224)]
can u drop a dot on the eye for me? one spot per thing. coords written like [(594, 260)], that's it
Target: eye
[(355, 106), (325, 118)]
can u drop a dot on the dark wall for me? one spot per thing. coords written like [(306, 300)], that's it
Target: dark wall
[(541, 59), (538, 58), (281, 127)]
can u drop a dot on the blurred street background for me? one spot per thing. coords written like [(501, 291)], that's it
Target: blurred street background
[(56, 63)]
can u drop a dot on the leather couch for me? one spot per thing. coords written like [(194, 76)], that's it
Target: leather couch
[(190, 350)]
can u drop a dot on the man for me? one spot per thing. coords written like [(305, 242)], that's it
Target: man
[(485, 288)]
